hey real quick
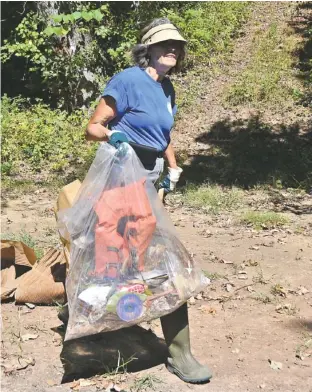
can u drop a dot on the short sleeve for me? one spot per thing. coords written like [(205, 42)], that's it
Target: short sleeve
[(174, 110), (115, 88)]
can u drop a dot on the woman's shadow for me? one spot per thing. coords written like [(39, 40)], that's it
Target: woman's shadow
[(131, 349)]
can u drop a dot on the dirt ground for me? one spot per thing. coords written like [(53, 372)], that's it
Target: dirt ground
[(253, 324), (257, 309)]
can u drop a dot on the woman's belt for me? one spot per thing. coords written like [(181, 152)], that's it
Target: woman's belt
[(147, 155)]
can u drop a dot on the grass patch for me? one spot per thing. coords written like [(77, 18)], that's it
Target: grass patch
[(27, 239), (264, 220), (20, 186), (214, 275), (146, 383), (267, 78), (213, 198)]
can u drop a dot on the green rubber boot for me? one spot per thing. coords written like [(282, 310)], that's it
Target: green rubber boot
[(63, 314), (177, 335)]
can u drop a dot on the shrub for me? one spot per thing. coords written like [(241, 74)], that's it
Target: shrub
[(43, 139)]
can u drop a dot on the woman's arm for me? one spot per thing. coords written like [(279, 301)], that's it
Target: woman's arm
[(104, 113), (170, 155)]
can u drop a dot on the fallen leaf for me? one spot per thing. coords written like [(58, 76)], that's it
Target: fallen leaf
[(302, 290), (86, 383), (207, 309), (29, 336), (51, 383), (275, 365), (75, 385), (19, 364), (254, 248), (250, 289), (30, 306), (228, 287), (285, 307), (226, 261), (250, 263)]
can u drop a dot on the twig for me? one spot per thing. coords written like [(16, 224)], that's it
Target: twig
[(21, 13)]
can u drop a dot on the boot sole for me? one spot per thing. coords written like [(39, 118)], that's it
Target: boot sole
[(185, 379)]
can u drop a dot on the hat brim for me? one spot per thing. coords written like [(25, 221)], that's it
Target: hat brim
[(162, 33)]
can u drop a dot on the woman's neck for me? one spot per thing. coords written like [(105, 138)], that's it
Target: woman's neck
[(155, 74)]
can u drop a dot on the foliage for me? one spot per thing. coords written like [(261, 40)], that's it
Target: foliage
[(65, 52), (71, 48), (41, 138), (209, 27), (56, 50), (265, 79)]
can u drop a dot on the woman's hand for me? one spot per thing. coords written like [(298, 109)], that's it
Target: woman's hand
[(104, 113), (168, 184), (116, 138)]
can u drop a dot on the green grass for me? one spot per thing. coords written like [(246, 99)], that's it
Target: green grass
[(267, 78), (212, 198), (27, 239), (263, 220), (214, 275), (20, 186)]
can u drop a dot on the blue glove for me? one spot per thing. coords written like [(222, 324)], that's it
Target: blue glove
[(116, 138), (165, 184), (169, 183)]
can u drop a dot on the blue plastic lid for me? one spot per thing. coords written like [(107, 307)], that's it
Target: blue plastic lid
[(129, 307)]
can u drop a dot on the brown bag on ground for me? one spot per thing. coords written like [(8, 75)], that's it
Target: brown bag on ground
[(65, 200), (16, 259), (45, 283)]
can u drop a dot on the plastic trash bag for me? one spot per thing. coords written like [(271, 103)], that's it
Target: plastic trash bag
[(127, 263)]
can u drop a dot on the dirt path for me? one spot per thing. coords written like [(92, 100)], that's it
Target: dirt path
[(237, 327), (257, 310)]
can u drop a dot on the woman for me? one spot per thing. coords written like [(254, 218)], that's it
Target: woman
[(138, 105)]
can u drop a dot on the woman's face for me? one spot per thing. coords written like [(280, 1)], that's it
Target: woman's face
[(164, 55)]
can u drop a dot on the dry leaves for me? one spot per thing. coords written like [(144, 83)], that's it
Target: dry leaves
[(275, 365), (19, 363), (207, 309), (29, 336), (81, 383)]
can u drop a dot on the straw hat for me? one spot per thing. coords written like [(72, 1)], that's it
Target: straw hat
[(163, 32)]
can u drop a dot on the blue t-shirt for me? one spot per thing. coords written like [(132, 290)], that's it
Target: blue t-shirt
[(145, 108)]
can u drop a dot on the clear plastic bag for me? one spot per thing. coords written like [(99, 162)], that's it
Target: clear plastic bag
[(127, 263)]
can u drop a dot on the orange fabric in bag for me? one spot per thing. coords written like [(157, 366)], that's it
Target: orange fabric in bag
[(125, 227)]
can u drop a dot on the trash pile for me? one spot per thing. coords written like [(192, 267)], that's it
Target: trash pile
[(127, 264)]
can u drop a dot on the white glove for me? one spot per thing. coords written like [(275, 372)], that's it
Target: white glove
[(174, 176)]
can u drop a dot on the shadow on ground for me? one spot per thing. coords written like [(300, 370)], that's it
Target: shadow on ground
[(303, 325), (99, 354), (302, 24), (251, 152)]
